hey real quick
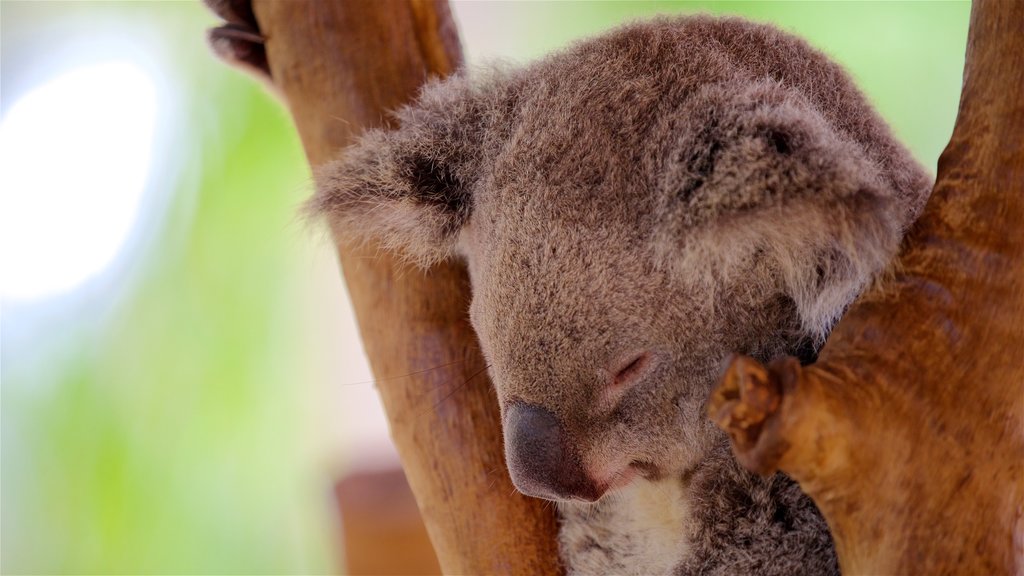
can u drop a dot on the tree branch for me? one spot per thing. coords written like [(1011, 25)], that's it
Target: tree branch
[(342, 66), (909, 431)]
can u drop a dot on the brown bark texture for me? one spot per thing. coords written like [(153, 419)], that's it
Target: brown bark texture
[(341, 67), (909, 430)]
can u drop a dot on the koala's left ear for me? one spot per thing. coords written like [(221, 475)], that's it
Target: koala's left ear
[(411, 188), (816, 202)]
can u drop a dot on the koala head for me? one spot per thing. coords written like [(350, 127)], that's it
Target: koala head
[(632, 211)]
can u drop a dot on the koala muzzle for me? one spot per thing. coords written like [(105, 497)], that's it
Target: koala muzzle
[(540, 457)]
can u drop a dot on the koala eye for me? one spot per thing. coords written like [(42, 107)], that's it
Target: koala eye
[(632, 371)]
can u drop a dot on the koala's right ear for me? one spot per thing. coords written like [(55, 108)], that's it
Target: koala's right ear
[(411, 188)]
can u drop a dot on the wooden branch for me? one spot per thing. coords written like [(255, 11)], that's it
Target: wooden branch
[(342, 66), (909, 431)]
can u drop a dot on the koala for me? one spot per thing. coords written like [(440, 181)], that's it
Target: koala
[(632, 210)]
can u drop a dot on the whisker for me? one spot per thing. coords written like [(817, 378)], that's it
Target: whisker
[(452, 392), (390, 378)]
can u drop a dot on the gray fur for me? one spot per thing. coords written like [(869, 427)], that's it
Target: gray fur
[(690, 187)]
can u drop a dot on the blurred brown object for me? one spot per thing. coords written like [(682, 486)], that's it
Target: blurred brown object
[(382, 530)]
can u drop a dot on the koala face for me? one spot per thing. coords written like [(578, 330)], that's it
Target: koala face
[(632, 211), (602, 352), (596, 379)]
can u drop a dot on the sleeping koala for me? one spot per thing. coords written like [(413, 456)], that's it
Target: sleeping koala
[(632, 210)]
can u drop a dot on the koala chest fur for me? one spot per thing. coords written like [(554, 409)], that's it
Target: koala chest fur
[(632, 211)]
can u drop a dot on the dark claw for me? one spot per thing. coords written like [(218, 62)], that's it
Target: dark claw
[(239, 41), (234, 12), (239, 47), (238, 32)]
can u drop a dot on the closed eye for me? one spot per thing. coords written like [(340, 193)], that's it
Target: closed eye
[(631, 371)]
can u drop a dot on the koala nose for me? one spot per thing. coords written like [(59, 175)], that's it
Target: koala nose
[(540, 458)]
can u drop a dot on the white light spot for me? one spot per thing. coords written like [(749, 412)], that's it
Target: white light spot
[(74, 157)]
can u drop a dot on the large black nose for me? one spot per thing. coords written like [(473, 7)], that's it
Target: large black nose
[(541, 458)]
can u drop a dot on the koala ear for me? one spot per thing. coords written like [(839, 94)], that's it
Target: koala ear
[(813, 202), (411, 188)]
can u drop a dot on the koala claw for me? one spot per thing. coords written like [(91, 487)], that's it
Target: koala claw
[(240, 47), (239, 41), (747, 404)]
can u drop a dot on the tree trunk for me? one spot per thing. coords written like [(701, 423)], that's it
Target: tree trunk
[(341, 67), (909, 430)]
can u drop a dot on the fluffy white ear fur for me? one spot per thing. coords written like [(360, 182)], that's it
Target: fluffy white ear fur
[(796, 208), (370, 193), (410, 189), (820, 259)]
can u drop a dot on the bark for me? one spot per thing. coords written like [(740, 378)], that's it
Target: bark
[(909, 430), (341, 67)]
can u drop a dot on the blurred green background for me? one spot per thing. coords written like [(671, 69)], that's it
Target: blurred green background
[(185, 404)]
